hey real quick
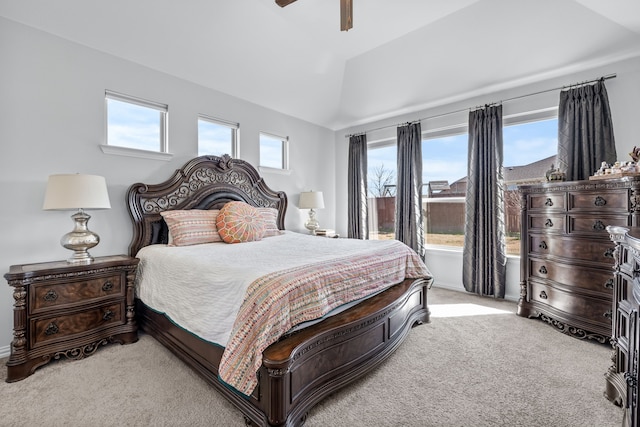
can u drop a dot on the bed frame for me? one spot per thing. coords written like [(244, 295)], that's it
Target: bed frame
[(300, 369)]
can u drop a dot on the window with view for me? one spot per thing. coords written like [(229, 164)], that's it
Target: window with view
[(444, 178), (217, 137), (274, 151), (381, 185), (529, 151), (136, 123)]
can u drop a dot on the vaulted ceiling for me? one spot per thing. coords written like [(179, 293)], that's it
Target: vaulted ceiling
[(400, 56)]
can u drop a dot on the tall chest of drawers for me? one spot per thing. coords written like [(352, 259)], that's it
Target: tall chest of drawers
[(622, 376), (567, 258)]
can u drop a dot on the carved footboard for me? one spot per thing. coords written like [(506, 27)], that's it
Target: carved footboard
[(300, 370)]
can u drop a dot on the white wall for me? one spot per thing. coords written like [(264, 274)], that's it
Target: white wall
[(52, 120), (624, 98)]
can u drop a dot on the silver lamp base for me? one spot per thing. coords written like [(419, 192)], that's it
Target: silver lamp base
[(312, 223), (80, 240)]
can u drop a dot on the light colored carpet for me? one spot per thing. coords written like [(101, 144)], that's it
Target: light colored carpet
[(491, 369)]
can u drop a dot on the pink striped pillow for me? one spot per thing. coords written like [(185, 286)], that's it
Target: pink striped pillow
[(192, 227), (270, 219)]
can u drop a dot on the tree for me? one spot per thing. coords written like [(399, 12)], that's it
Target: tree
[(382, 183)]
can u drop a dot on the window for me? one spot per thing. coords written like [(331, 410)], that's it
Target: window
[(274, 151), (444, 179), (133, 123), (530, 148), (381, 186), (217, 137)]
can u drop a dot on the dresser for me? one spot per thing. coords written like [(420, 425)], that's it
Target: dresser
[(567, 258), (622, 376), (69, 310)]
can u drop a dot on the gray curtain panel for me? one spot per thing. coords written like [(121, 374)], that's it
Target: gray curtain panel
[(585, 131), (408, 220), (357, 188), (484, 254)]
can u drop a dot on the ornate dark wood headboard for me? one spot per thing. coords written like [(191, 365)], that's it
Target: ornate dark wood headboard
[(206, 182)]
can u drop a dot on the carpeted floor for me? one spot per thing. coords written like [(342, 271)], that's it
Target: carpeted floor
[(491, 368)]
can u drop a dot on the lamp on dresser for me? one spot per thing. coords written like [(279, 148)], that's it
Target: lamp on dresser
[(311, 200), (77, 192)]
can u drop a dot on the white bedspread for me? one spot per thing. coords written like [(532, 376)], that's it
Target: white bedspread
[(201, 287)]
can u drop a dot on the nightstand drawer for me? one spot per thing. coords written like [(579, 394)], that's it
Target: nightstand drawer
[(45, 330), (47, 296)]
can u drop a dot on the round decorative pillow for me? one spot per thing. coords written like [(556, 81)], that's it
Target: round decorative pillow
[(239, 222)]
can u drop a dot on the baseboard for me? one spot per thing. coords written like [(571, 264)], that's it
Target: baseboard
[(5, 351)]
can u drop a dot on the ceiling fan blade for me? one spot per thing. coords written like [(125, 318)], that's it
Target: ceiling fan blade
[(283, 3), (346, 15)]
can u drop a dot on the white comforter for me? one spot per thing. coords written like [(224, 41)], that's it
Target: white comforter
[(201, 287)]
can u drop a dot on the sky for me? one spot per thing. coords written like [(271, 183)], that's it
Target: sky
[(446, 158)]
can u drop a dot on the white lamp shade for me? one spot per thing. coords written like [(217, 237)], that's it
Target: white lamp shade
[(76, 191), (311, 200)]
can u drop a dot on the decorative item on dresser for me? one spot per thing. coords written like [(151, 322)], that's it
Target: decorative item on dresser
[(566, 253), (69, 310), (622, 376)]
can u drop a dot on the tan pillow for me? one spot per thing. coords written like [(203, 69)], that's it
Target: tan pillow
[(239, 222), (192, 227)]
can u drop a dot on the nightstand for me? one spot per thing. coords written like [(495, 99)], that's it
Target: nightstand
[(69, 310)]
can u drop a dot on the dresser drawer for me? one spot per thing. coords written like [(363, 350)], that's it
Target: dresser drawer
[(547, 222), (593, 310), (546, 201), (45, 296), (600, 251), (601, 201), (596, 225), (571, 276), (49, 329)]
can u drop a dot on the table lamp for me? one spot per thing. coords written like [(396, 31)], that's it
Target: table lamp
[(311, 200), (77, 191)]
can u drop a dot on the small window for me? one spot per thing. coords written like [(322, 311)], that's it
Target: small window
[(217, 137), (274, 151), (134, 123)]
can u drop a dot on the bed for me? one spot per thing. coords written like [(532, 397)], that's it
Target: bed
[(305, 364)]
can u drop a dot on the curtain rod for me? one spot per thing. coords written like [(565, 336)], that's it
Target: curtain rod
[(607, 77)]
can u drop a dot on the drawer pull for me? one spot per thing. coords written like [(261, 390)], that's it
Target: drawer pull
[(543, 270), (543, 245), (108, 285), (608, 314), (549, 202), (599, 225), (609, 253), (548, 223), (543, 295), (600, 201), (108, 315), (52, 329), (609, 284), (50, 296), (631, 380)]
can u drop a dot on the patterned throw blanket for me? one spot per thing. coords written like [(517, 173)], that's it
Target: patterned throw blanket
[(278, 301)]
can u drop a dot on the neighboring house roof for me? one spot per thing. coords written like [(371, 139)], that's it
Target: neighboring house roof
[(533, 172), (513, 175)]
